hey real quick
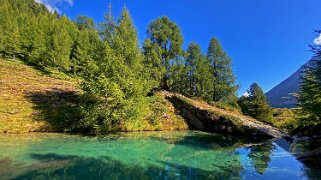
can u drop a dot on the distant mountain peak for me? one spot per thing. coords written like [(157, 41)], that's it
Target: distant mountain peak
[(285, 94)]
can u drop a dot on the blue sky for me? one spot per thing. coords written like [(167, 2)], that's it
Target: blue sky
[(267, 39)]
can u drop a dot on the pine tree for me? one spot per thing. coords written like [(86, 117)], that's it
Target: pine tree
[(166, 36), (194, 55), (154, 68), (117, 86), (203, 78), (13, 45), (310, 92), (61, 45), (179, 80), (223, 82), (107, 28), (255, 105)]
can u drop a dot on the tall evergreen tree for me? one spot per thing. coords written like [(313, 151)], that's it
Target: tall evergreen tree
[(179, 79), (61, 45), (194, 55), (254, 104), (153, 64), (107, 28), (203, 78), (117, 85), (13, 42), (164, 36), (223, 82), (310, 92)]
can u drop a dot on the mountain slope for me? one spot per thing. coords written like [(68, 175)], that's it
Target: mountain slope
[(29, 99), (284, 95), (33, 100)]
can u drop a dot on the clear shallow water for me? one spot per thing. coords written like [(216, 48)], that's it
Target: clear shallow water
[(146, 155)]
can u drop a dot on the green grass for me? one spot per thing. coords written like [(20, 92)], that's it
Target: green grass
[(33, 100), (215, 111), (285, 119), (24, 94)]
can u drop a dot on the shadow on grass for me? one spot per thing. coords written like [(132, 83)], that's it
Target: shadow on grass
[(59, 108)]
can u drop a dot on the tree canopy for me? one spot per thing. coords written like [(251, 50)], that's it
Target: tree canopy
[(310, 92), (118, 75), (254, 104)]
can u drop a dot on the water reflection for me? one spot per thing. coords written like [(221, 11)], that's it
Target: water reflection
[(154, 155), (260, 156)]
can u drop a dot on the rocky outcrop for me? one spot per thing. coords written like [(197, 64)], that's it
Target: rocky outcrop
[(204, 117)]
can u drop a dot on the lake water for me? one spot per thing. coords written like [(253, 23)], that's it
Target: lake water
[(145, 155)]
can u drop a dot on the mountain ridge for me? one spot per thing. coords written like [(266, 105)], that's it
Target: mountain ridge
[(284, 95)]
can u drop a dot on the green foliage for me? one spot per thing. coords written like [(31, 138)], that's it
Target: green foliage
[(117, 86), (310, 93), (255, 105), (223, 80), (179, 80), (193, 62), (165, 38), (260, 156), (84, 22), (33, 34), (117, 75), (210, 78)]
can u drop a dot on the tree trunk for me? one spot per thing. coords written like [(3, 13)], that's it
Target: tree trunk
[(164, 84)]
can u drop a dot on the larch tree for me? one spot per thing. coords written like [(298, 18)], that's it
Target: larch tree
[(254, 104), (117, 85), (194, 54), (166, 36), (310, 92), (223, 82)]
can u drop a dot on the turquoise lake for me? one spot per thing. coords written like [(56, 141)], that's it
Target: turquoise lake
[(145, 155)]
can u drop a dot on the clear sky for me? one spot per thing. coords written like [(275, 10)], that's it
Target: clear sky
[(267, 39)]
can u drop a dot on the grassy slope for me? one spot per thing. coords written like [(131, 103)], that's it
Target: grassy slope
[(31, 100), (20, 86), (233, 116)]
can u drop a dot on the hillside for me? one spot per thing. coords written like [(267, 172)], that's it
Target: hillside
[(30, 99), (284, 95), (33, 100)]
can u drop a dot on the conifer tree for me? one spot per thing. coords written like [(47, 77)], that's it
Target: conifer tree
[(310, 92), (154, 68), (179, 80), (255, 105), (13, 42), (203, 78), (117, 85), (194, 55), (61, 45), (107, 28), (223, 81), (166, 36)]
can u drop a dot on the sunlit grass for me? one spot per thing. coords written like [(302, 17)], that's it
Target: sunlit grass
[(18, 81)]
